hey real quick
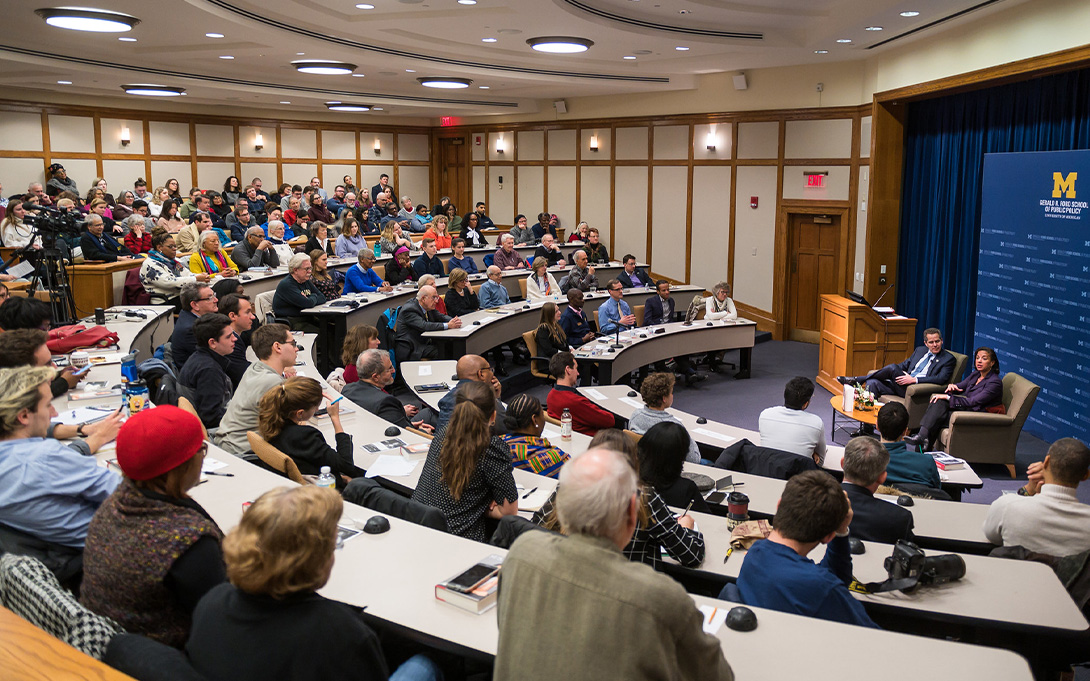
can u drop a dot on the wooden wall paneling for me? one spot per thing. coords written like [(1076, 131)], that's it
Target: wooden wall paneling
[(612, 191), (47, 153), (733, 199), (318, 151), (193, 154), (648, 251), (97, 122), (359, 168), (238, 150), (848, 231), (884, 219), (689, 207), (779, 277)]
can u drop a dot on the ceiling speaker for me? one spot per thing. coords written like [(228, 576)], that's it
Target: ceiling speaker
[(740, 82), (561, 106)]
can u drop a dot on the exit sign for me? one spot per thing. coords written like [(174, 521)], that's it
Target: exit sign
[(447, 121), (815, 180)]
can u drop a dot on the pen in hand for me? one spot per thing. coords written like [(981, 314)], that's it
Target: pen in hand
[(686, 512)]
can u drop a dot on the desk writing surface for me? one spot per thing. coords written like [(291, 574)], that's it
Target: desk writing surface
[(28, 653)]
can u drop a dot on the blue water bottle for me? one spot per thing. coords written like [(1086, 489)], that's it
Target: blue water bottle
[(378, 250)]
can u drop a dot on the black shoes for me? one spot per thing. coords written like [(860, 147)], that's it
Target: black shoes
[(846, 380), (693, 378), (916, 440)]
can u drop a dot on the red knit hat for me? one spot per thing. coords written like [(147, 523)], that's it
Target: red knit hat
[(156, 441)]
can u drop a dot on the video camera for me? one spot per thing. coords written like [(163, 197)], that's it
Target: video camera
[(52, 222), (908, 563)]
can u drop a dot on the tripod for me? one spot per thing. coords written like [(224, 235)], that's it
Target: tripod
[(50, 272)]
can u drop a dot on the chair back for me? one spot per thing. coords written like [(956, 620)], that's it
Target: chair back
[(959, 366), (1019, 394), (597, 326), (263, 306), (489, 259), (634, 436), (637, 311), (522, 287), (380, 270), (186, 405), (31, 591), (147, 660), (530, 338), (133, 292), (274, 458), (370, 494)]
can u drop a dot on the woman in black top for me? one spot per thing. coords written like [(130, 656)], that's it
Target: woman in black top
[(283, 418), (460, 298), (270, 622), (319, 239), (329, 282), (398, 269), (468, 475), (662, 452), (471, 233), (550, 336)]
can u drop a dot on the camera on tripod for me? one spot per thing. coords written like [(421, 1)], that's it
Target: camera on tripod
[(51, 223), (908, 562)]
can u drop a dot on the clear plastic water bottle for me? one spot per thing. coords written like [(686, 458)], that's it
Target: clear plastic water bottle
[(565, 425), (326, 479)]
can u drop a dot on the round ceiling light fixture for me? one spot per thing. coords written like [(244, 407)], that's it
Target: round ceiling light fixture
[(558, 44), (148, 90), (444, 83), (87, 19), (347, 106), (323, 67), (908, 14)]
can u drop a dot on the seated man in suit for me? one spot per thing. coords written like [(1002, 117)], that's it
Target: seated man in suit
[(550, 250), (574, 321), (633, 277), (97, 245), (659, 309), (416, 317), (864, 470), (908, 468), (929, 363), (472, 368), (376, 371)]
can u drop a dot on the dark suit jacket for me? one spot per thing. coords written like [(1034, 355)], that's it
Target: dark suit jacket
[(941, 370), (378, 402), (653, 312), (412, 322), (107, 250), (626, 279), (875, 519), (575, 325)]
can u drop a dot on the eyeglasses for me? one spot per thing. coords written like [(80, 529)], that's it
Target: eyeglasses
[(211, 297), (290, 342)]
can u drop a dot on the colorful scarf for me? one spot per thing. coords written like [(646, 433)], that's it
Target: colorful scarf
[(210, 265)]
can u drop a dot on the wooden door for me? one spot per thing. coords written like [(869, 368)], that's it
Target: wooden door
[(813, 269), (454, 172)]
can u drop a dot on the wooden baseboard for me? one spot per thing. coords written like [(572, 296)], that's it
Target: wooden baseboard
[(765, 320), (655, 277)]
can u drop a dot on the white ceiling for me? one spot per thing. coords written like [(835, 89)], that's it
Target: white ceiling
[(441, 37)]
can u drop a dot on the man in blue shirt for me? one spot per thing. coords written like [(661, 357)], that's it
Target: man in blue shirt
[(459, 259), (493, 293), (615, 312), (50, 492), (362, 278), (777, 574), (428, 262)]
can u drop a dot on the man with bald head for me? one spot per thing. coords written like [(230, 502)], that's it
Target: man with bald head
[(580, 276), (255, 251), (416, 317), (635, 623), (472, 368)]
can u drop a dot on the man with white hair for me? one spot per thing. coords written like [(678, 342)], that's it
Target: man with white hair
[(376, 372), (634, 623), (507, 258), (36, 194), (408, 209), (416, 317), (255, 251), (297, 292)]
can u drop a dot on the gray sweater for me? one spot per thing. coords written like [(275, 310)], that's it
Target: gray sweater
[(241, 414), (643, 418)]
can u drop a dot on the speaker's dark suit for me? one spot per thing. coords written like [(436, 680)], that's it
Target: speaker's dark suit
[(939, 372)]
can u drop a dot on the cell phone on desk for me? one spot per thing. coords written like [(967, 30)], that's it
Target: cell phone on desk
[(432, 388), (716, 497), (472, 578)]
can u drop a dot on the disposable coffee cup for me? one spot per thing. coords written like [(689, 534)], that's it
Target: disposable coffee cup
[(737, 506), (80, 359)]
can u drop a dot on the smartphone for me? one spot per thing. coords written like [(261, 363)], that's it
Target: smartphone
[(432, 387), (716, 497), (724, 483), (80, 372), (472, 578)]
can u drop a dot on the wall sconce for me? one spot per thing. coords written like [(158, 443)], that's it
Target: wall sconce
[(499, 145), (711, 141), (378, 146), (594, 142), (259, 142), (126, 137)]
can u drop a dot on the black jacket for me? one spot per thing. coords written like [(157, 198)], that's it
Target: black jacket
[(745, 457), (458, 305), (182, 342), (378, 402), (307, 447), (291, 297), (875, 519), (205, 374), (104, 248), (412, 322)]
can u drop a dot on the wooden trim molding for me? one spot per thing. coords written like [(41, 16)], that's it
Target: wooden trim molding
[(765, 320)]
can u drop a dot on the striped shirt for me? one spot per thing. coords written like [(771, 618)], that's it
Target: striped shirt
[(535, 454)]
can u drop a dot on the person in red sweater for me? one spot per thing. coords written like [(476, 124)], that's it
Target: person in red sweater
[(137, 240), (587, 417)]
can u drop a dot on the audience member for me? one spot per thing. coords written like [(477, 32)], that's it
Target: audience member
[(50, 491), (657, 391), (362, 278), (596, 251), (574, 321), (777, 574), (791, 428), (398, 269), (382, 186), (270, 619), (162, 276), (483, 221), (460, 298), (864, 465), (439, 231), (376, 372), (240, 311), (197, 299), (663, 450), (633, 277), (255, 251), (205, 371), (1046, 515), (907, 466), (520, 233), (506, 257), (99, 246), (283, 421), (329, 282), (152, 552), (351, 243), (318, 211), (138, 239), (276, 352), (471, 231), (467, 474), (525, 421), (644, 622), (659, 309), (541, 285), (189, 238), (587, 417), (615, 314), (470, 368), (319, 239), (28, 347), (417, 317), (359, 338), (580, 276), (550, 335), (297, 292), (211, 258), (546, 224), (459, 259), (428, 262)]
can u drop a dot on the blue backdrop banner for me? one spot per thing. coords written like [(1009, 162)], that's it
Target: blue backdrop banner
[(1033, 281)]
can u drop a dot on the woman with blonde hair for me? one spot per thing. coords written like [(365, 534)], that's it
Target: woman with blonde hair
[(156, 200), (467, 474), (359, 338), (94, 193), (329, 282), (211, 259), (579, 233), (392, 238), (269, 621), (100, 183), (283, 421), (99, 207), (14, 232), (540, 285)]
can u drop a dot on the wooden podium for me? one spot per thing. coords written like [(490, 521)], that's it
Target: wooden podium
[(855, 340)]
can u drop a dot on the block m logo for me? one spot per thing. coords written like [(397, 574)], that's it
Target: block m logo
[(1064, 185)]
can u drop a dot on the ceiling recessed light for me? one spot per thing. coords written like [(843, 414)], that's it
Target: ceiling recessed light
[(347, 106), (843, 41), (126, 39), (364, 5), (558, 44), (488, 40), (299, 54), (323, 67), (910, 13), (508, 31), (483, 87), (444, 83), (358, 75), (376, 108), (148, 90), (64, 82), (410, 71), (681, 48), (213, 35), (821, 51), (285, 102), (88, 19), (873, 28), (628, 56), (226, 56), (467, 2)]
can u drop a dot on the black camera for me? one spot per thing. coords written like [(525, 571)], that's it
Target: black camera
[(51, 222), (908, 562)]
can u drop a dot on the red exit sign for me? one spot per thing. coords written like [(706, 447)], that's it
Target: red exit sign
[(817, 180), (447, 121)]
